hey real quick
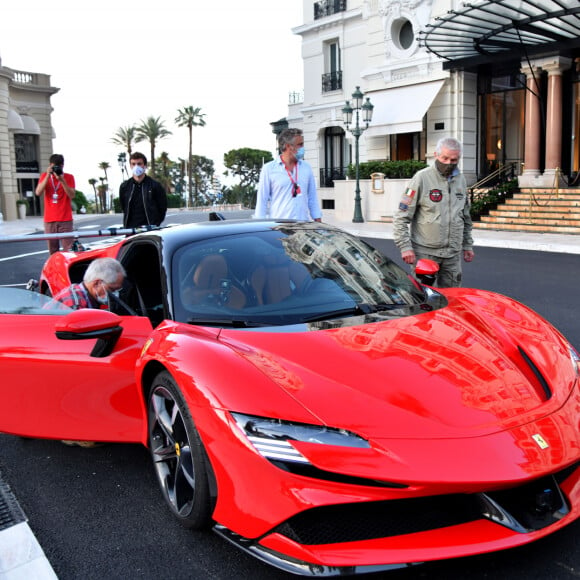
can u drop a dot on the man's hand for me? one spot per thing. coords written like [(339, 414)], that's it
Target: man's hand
[(408, 256), (468, 255)]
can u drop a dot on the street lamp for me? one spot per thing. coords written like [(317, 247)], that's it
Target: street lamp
[(122, 161), (366, 110)]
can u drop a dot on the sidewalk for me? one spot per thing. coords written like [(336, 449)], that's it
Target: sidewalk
[(562, 243)]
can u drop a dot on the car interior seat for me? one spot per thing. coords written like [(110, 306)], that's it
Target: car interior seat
[(276, 279), (212, 284)]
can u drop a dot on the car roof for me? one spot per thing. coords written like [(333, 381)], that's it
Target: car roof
[(175, 236)]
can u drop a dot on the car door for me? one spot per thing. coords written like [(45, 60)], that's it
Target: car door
[(69, 375)]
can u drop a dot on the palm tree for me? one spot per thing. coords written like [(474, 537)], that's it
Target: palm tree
[(93, 182), (103, 193), (190, 118), (104, 166), (125, 136), (151, 129)]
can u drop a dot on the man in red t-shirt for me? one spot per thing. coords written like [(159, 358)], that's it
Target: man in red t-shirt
[(58, 189)]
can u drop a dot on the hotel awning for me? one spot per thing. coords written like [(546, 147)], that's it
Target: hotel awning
[(30, 126), (401, 110), (14, 121), (486, 31)]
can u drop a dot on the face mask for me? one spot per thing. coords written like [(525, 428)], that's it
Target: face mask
[(138, 170), (103, 299), (300, 153), (445, 169)]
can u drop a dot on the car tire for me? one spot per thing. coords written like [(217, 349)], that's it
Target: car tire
[(179, 458)]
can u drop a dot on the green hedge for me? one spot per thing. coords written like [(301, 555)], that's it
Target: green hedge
[(483, 202), (174, 200), (391, 169)]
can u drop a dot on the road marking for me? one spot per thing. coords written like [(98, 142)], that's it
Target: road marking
[(23, 256)]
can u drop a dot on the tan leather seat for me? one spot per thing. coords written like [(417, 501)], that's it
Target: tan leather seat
[(213, 285), (274, 281)]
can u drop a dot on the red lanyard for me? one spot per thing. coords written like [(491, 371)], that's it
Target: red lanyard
[(295, 186)]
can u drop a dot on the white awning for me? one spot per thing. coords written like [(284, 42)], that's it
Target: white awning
[(401, 110), (488, 31), (31, 127), (14, 121)]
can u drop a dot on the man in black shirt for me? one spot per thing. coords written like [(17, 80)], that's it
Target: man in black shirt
[(143, 200)]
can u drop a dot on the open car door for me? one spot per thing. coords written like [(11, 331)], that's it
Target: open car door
[(69, 374)]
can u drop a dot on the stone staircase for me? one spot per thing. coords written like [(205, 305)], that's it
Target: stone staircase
[(554, 211)]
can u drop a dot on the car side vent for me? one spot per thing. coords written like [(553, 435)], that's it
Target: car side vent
[(544, 384)]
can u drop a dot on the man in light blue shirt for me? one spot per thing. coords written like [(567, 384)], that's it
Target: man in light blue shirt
[(287, 189)]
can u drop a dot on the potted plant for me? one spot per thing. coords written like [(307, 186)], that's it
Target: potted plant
[(22, 205)]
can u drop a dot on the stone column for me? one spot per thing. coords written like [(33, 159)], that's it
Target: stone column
[(533, 123), (554, 68)]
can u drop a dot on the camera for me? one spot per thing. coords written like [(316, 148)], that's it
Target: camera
[(57, 169)]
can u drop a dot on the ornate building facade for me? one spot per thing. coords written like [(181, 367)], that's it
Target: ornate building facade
[(26, 135), (499, 75)]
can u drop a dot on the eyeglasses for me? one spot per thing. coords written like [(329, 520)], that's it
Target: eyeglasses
[(295, 189)]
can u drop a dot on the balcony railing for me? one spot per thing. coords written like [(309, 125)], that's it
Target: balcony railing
[(332, 81), (328, 7), (22, 77), (329, 175), (295, 97)]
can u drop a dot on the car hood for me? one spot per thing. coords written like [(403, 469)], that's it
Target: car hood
[(483, 364)]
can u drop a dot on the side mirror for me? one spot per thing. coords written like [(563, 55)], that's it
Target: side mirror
[(216, 216), (426, 270), (89, 323)]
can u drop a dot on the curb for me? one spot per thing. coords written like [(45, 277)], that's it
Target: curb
[(21, 556)]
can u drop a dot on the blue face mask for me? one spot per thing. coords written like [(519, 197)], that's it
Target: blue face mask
[(138, 170), (300, 153)]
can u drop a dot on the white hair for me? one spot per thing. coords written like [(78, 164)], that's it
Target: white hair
[(106, 269), (449, 143)]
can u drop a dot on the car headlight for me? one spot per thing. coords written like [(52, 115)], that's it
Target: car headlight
[(272, 437)]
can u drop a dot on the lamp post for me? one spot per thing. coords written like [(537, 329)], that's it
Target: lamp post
[(122, 160), (366, 110)]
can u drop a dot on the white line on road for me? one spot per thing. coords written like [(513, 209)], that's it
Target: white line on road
[(23, 256)]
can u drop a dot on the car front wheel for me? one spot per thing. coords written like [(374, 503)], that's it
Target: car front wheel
[(178, 455)]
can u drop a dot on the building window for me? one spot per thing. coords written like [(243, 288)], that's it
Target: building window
[(328, 7), (501, 121), (25, 151), (334, 166), (405, 36), (332, 77)]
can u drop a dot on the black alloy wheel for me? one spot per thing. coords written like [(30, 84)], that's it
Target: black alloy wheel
[(178, 454)]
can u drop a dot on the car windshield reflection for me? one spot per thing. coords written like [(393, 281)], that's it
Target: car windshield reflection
[(291, 274)]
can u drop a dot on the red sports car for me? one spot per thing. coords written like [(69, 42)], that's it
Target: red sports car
[(305, 397)]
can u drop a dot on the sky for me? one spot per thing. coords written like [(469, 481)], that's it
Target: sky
[(117, 63)]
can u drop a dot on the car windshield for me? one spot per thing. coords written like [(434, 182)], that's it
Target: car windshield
[(19, 301), (291, 274)]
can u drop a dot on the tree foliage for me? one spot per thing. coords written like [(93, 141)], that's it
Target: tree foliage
[(152, 130), (190, 117), (202, 172), (125, 137), (246, 164)]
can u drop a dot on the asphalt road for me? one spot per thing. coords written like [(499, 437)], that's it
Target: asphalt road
[(98, 513)]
